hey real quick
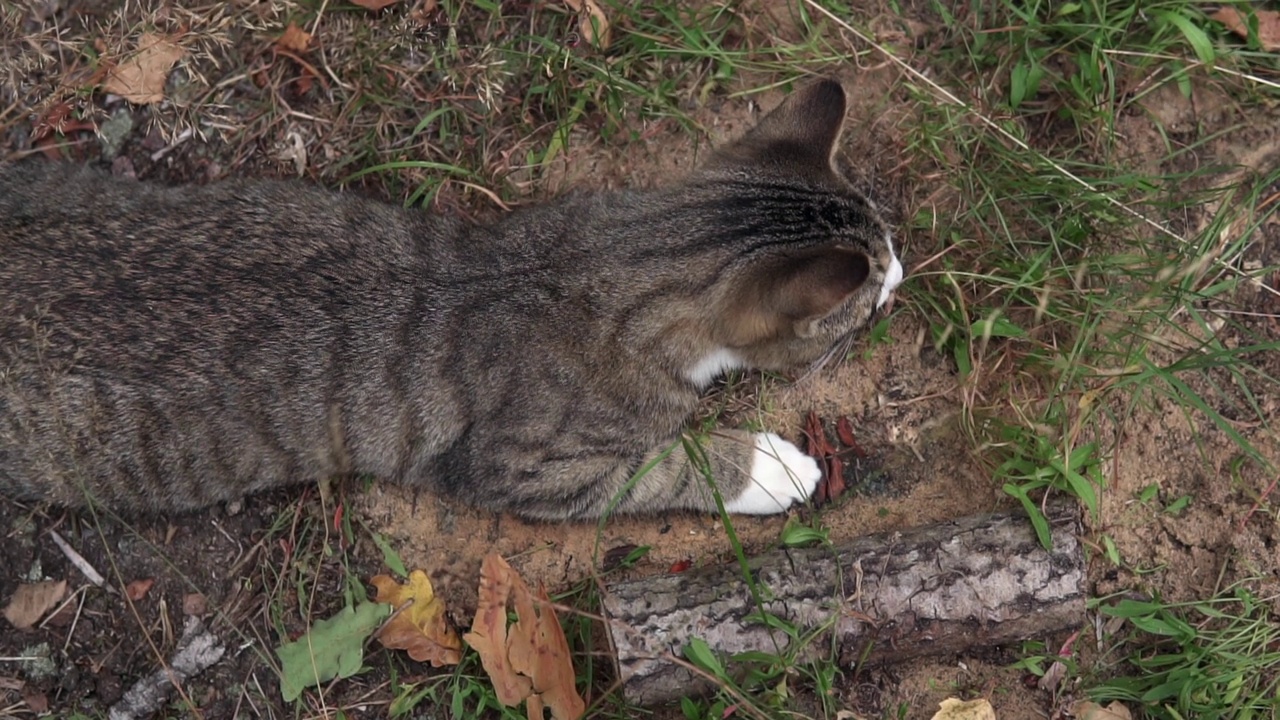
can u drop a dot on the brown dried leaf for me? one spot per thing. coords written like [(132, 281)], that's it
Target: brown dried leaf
[(488, 636), (31, 601), (137, 589), (420, 629), (294, 39), (593, 25), (1238, 23), (835, 477), (36, 701), (140, 79), (374, 5), (533, 658), (539, 649)]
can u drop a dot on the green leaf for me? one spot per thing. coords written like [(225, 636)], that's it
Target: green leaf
[(390, 557), (1196, 37), (1038, 520), (700, 654), (996, 326), (797, 534), (333, 648)]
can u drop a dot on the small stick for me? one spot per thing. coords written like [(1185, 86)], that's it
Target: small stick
[(83, 565)]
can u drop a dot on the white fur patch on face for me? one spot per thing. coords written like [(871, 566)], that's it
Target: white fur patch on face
[(712, 366), (892, 276)]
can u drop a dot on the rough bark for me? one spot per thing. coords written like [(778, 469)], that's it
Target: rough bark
[(938, 589)]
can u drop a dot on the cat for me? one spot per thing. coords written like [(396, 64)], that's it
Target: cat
[(163, 349)]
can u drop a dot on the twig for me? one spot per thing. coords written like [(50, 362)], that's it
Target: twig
[(81, 564)]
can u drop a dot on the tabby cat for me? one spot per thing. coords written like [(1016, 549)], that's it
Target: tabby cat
[(164, 349)]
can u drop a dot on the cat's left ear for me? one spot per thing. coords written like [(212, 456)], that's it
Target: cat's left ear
[(803, 129), (786, 295)]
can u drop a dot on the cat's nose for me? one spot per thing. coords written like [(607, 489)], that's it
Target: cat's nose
[(892, 279)]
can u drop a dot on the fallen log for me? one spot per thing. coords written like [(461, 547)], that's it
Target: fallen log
[(938, 589)]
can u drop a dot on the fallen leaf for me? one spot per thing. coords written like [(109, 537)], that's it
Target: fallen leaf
[(137, 589), (1053, 676), (680, 566), (488, 636), (36, 701), (530, 660), (539, 650), (31, 601), (593, 25), (1086, 710), (194, 604), (294, 38), (955, 709), (374, 5), (421, 629), (140, 79), (1238, 23), (332, 648)]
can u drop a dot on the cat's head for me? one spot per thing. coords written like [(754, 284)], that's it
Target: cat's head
[(808, 261)]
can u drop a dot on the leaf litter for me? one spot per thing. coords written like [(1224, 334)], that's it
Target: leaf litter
[(140, 79), (419, 627), (32, 600)]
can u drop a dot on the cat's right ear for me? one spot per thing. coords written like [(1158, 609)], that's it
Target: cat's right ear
[(786, 296), (803, 130)]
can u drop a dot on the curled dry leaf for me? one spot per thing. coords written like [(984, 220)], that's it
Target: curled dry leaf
[(593, 25), (140, 79), (530, 660), (137, 589), (420, 629), (956, 709), (294, 39), (31, 601), (1238, 23)]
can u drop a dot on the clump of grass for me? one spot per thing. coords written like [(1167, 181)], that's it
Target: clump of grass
[(1216, 658)]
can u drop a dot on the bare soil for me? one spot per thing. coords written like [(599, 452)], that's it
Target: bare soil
[(275, 561)]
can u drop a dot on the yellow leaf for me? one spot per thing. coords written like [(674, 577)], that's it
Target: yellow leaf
[(140, 79), (421, 628), (955, 709)]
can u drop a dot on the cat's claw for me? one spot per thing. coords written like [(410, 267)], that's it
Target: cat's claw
[(781, 475)]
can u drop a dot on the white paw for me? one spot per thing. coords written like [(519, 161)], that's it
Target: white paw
[(781, 475)]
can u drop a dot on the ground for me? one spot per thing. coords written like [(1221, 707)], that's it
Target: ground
[(468, 109)]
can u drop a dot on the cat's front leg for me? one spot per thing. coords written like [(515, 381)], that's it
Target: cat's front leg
[(756, 474)]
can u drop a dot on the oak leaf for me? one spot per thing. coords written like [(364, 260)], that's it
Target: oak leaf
[(529, 660), (421, 628), (31, 601), (331, 648), (1238, 23), (140, 79)]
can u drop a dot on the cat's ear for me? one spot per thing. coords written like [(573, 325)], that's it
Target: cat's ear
[(786, 295), (803, 129)]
